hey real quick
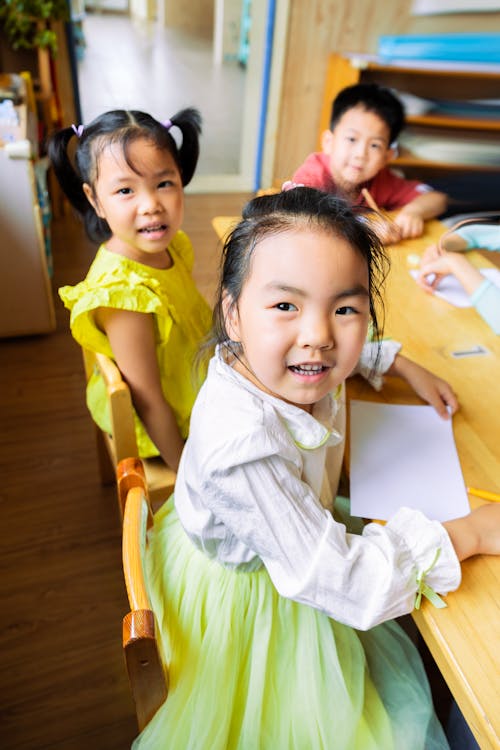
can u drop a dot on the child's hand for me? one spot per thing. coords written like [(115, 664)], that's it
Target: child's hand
[(437, 392), (476, 534), (410, 223), (434, 266), (387, 231), (432, 272)]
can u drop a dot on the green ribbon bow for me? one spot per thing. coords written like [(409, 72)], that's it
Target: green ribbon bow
[(424, 590)]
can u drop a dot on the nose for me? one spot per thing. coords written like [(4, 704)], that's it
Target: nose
[(150, 203), (316, 332), (361, 149)]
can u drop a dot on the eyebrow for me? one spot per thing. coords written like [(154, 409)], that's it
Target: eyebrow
[(354, 131), (156, 175), (356, 291)]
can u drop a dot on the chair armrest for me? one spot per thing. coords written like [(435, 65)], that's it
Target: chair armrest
[(124, 443), (148, 678), (136, 520)]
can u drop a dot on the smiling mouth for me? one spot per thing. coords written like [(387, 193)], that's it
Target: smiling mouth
[(308, 369), (152, 229)]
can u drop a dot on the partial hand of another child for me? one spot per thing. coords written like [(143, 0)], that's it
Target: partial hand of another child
[(437, 392), (410, 223), (433, 269), (477, 533)]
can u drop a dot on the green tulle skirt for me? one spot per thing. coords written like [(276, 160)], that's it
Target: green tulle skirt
[(250, 670)]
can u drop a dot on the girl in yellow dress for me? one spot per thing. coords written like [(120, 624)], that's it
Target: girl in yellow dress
[(139, 303)]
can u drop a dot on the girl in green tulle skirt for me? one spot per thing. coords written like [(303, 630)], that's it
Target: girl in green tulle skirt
[(274, 613)]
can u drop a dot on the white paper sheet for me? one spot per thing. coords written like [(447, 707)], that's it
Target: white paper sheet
[(453, 292), (404, 456)]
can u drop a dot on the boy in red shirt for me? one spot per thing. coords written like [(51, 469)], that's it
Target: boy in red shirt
[(365, 123)]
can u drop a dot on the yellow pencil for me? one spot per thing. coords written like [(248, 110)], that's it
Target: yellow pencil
[(370, 200), (371, 203), (485, 494)]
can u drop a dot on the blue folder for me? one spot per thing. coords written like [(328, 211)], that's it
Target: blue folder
[(477, 48)]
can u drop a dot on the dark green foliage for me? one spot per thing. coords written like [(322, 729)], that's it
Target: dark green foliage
[(25, 23)]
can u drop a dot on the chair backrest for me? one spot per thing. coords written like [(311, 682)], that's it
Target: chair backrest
[(147, 676), (122, 443)]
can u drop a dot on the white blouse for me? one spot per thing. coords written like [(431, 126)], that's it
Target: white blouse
[(255, 486)]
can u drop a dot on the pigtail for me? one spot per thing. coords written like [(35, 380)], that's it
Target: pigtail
[(189, 123), (69, 180)]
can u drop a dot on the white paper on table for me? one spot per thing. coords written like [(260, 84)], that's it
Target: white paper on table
[(404, 456), (453, 292)]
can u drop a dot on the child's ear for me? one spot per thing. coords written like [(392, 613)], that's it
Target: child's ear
[(326, 141), (391, 153), (231, 317), (89, 194)]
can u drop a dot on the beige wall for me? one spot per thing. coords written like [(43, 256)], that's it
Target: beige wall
[(319, 27), (196, 16)]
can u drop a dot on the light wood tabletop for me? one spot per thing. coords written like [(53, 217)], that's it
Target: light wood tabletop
[(464, 638)]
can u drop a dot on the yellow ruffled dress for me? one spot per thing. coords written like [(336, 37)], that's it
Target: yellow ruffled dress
[(181, 317)]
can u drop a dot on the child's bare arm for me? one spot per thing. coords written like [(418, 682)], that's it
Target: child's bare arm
[(410, 219), (475, 534), (437, 392), (131, 336)]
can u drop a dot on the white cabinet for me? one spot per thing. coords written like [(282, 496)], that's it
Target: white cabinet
[(26, 300)]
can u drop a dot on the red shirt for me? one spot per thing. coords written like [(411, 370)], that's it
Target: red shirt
[(388, 190)]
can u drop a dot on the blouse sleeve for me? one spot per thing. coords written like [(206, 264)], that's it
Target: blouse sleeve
[(261, 502), (375, 360), (486, 236), (486, 300)]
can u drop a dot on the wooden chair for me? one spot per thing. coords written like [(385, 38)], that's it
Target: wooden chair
[(147, 677), (122, 443)]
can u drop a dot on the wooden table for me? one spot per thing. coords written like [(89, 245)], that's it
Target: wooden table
[(464, 638)]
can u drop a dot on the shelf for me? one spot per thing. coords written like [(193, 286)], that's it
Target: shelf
[(416, 162), (458, 123), (425, 67)]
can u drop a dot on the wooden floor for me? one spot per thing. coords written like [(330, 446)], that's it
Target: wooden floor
[(64, 685)]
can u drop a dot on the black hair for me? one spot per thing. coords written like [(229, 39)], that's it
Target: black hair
[(372, 98), (124, 127), (299, 207)]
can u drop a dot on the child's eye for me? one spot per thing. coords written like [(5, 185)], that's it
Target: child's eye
[(346, 310), (124, 191), (376, 146), (165, 183), (285, 306)]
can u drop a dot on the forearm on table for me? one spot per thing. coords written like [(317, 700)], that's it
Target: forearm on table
[(427, 205), (401, 367), (454, 243), (468, 276)]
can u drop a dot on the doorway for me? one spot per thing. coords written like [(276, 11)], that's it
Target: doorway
[(142, 63)]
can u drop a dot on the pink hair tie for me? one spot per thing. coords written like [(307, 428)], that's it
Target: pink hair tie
[(289, 185), (78, 130), (167, 124)]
